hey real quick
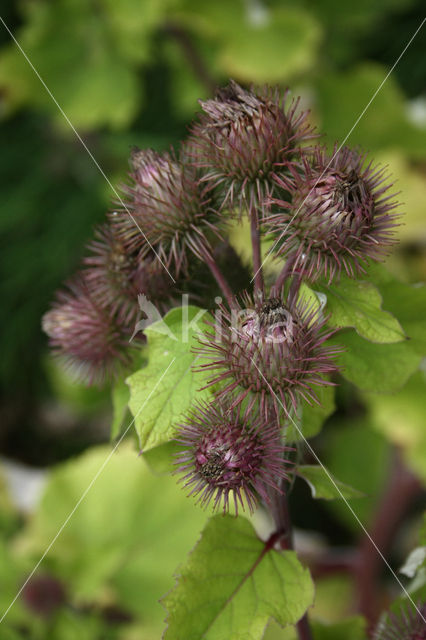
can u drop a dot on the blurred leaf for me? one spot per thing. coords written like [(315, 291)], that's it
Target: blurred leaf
[(359, 456), (131, 23), (287, 36), (408, 302), (80, 399), (379, 368), (69, 626), (70, 47), (262, 584), (352, 629), (321, 485), (164, 399), (357, 304), (342, 98), (410, 182), (186, 87), (119, 536), (401, 418), (120, 401), (160, 459)]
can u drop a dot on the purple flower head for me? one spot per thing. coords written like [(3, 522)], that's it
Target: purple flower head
[(93, 344), (269, 352), (43, 595), (116, 276), (225, 452), (340, 214), (407, 625), (169, 209), (242, 137)]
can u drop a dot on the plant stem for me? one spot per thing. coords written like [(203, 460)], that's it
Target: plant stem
[(281, 514), (220, 278), (193, 57), (255, 243), (402, 488), (284, 273)]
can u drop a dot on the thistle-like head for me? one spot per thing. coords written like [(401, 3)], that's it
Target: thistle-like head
[(116, 275), (338, 217), (408, 624), (91, 341), (269, 351), (226, 454), (241, 138), (167, 210)]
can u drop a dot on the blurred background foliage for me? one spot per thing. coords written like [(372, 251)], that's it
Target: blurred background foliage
[(129, 72)]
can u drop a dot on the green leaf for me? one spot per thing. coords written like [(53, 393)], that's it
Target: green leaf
[(408, 303), (312, 417), (165, 389), (119, 537), (321, 485), (380, 368), (350, 629), (160, 459), (232, 584), (120, 400), (288, 36), (311, 299), (357, 304), (342, 97), (354, 628), (359, 456), (75, 55), (401, 418)]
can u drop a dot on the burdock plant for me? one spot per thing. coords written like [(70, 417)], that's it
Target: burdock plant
[(239, 396)]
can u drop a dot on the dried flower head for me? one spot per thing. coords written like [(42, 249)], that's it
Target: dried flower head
[(116, 276), (93, 344), (169, 210), (269, 352), (407, 625), (242, 137), (339, 215), (224, 452)]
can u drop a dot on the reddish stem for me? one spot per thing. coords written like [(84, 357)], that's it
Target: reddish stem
[(220, 279), (281, 514), (284, 273), (403, 486), (257, 255)]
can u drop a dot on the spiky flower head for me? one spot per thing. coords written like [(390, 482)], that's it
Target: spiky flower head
[(167, 210), (339, 215), (86, 336), (116, 276), (242, 137), (226, 453), (406, 625), (269, 352)]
